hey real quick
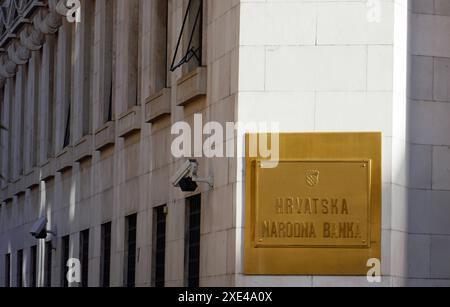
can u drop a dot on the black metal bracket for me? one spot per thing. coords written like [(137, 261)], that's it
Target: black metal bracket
[(192, 51)]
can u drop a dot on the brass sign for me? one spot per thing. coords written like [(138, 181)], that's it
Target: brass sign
[(318, 211)]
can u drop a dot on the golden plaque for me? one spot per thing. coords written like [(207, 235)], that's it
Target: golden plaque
[(318, 211)]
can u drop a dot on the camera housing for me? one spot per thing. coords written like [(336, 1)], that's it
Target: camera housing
[(186, 177), (39, 229)]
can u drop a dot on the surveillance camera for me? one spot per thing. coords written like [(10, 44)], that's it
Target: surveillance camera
[(182, 173), (186, 177), (183, 179), (39, 229)]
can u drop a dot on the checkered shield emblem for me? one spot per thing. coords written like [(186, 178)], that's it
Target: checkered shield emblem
[(312, 177)]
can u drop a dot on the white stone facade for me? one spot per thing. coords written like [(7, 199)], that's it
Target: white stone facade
[(311, 65)]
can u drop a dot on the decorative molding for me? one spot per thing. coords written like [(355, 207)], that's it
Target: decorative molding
[(23, 26), (158, 106), (105, 136), (129, 122), (83, 148), (191, 86)]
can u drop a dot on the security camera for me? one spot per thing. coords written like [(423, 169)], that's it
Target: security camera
[(182, 172), (186, 177), (39, 229)]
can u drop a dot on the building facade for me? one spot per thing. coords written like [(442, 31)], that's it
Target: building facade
[(88, 108)]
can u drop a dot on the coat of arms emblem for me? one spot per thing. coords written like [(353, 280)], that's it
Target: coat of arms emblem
[(312, 177)]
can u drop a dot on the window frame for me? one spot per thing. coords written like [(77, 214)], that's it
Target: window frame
[(130, 252), (33, 266), (84, 257), (65, 254), (105, 255), (48, 264), (19, 268), (193, 212), (159, 238)]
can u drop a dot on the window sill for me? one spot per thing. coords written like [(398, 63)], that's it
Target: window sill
[(19, 187), (82, 149), (64, 160), (32, 179), (158, 106), (191, 86), (129, 122), (9, 193), (48, 170), (105, 136), (4, 195)]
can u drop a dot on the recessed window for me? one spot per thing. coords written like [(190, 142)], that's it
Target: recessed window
[(50, 59), (159, 46), (36, 107), (84, 257), (33, 266), (88, 59), (7, 270), (190, 39), (192, 261), (159, 245), (108, 20), (48, 264), (64, 259), (133, 53), (105, 255), (67, 84), (19, 269), (130, 252)]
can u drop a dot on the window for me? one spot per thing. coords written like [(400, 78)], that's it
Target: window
[(21, 85), (66, 74), (33, 266), (34, 102), (108, 20), (159, 245), (64, 259), (49, 57), (3, 131), (48, 264), (193, 216), (130, 250), (7, 270), (159, 46), (19, 272), (105, 255), (84, 258), (6, 121), (133, 53), (88, 44), (190, 40)]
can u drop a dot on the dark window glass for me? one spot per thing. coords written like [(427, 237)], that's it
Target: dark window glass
[(188, 49), (159, 245), (67, 90), (193, 240), (52, 41), (89, 29), (84, 257), (105, 255), (194, 40), (131, 250), (133, 51), (159, 43), (67, 130), (20, 269), (107, 58), (7, 270), (64, 260), (33, 266), (48, 264)]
